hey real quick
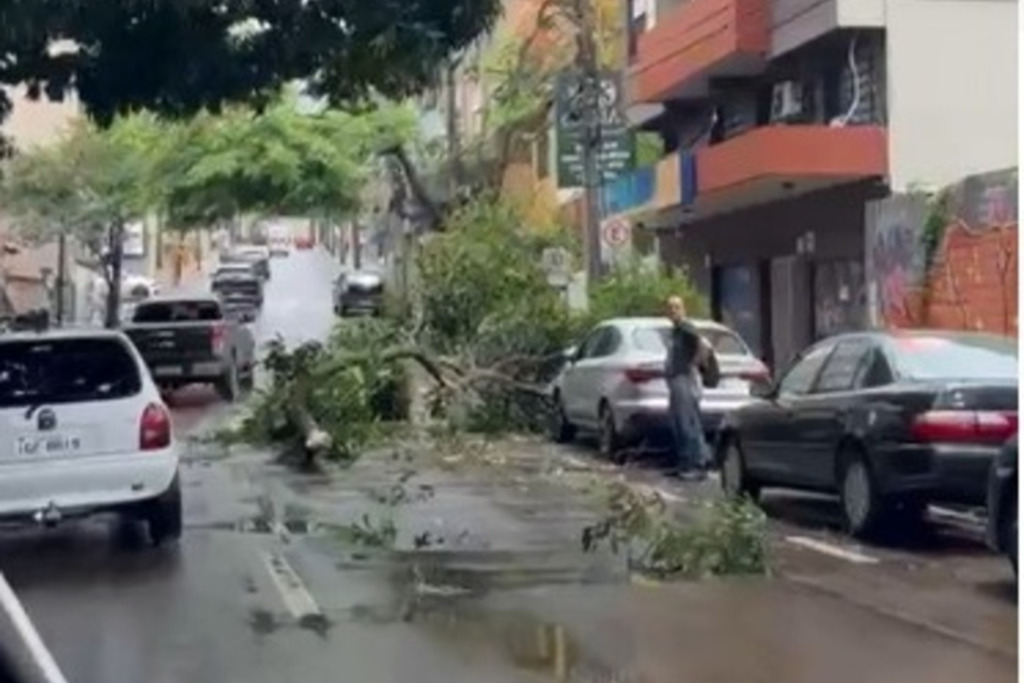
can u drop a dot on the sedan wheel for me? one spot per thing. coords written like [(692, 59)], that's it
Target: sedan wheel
[(1011, 542), (562, 431), (609, 443), (861, 505), (735, 480)]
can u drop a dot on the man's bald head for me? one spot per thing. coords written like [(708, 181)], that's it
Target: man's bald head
[(676, 309)]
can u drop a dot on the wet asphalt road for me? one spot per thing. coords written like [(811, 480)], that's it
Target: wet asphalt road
[(261, 591)]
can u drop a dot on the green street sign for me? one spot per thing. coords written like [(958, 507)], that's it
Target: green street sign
[(615, 154)]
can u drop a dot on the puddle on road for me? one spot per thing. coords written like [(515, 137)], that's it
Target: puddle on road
[(445, 593), (544, 649)]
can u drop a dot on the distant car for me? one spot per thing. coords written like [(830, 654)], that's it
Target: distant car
[(303, 242), (280, 246), (258, 256), (1003, 489), (360, 291), (614, 384), (192, 341), (85, 432), (239, 289), (891, 421)]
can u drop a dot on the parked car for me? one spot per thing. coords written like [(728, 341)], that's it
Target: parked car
[(239, 284), (1002, 503), (258, 256), (614, 384), (85, 432), (891, 421), (361, 291), (191, 341)]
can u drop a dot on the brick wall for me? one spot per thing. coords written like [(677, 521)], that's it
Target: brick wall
[(971, 282)]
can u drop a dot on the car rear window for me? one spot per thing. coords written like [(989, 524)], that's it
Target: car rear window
[(956, 357), (66, 371), (178, 311), (724, 342)]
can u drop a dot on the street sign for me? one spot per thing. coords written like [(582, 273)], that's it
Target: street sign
[(615, 232), (615, 151), (557, 264)]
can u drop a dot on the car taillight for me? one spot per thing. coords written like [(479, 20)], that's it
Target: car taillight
[(217, 336), (756, 376), (154, 428), (964, 426), (643, 373)]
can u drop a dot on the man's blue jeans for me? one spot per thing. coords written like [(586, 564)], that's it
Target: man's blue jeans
[(690, 450)]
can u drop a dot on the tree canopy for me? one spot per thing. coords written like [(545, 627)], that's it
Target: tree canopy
[(178, 57)]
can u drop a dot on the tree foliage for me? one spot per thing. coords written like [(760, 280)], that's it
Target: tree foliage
[(278, 162), (178, 57)]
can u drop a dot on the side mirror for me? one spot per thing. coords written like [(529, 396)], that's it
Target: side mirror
[(570, 354)]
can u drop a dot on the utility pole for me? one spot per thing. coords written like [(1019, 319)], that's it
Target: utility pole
[(589, 72)]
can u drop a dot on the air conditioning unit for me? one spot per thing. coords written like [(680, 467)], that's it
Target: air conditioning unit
[(787, 100)]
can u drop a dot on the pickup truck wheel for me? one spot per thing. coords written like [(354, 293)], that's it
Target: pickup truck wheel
[(164, 517), (227, 385), (248, 379)]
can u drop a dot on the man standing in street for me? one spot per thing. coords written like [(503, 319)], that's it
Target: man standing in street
[(687, 353)]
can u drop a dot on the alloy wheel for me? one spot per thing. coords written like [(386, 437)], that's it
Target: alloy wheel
[(732, 471), (857, 495)]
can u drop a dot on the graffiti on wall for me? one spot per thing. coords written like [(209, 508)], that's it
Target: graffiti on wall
[(895, 267), (971, 279)]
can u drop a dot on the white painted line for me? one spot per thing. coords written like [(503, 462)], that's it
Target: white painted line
[(956, 515), (668, 495), (578, 463), (831, 550), (20, 644), (293, 591)]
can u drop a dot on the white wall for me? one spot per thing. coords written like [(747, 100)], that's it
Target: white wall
[(952, 89)]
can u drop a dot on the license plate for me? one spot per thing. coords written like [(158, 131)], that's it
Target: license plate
[(49, 445), (169, 371)]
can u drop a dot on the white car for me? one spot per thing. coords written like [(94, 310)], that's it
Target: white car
[(83, 430), (613, 383)]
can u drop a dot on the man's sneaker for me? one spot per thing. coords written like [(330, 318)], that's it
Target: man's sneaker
[(692, 475)]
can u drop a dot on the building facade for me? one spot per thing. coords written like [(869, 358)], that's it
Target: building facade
[(783, 120)]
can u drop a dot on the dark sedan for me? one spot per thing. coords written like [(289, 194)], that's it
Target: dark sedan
[(890, 421), (257, 256), (1002, 503), (359, 292)]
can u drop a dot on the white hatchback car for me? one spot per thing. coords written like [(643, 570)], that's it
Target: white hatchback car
[(83, 430)]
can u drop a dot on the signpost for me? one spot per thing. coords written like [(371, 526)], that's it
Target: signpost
[(557, 264), (615, 232), (615, 148)]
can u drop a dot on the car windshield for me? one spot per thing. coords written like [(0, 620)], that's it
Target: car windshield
[(724, 342), (947, 356), (177, 311), (66, 371)]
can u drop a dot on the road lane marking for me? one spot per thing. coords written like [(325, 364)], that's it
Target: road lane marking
[(956, 515), (831, 550), (290, 586), (668, 495)]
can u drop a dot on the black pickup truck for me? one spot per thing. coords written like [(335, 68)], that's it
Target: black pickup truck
[(191, 341)]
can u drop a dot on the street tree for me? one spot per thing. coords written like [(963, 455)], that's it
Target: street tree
[(178, 58), (88, 187), (280, 161)]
